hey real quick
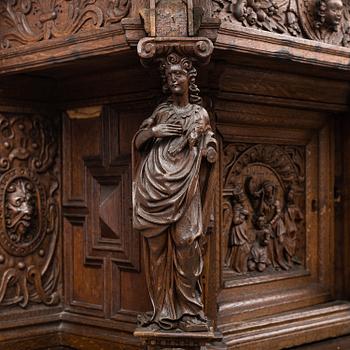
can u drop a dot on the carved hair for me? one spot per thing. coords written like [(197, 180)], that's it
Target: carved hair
[(187, 65)]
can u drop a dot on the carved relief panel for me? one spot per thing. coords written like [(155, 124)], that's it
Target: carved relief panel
[(29, 211), (275, 214), (322, 20), (264, 206), (28, 21)]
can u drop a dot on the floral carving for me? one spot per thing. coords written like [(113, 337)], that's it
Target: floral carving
[(321, 20), (29, 211), (27, 21), (263, 207)]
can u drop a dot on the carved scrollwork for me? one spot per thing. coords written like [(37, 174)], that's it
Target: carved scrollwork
[(150, 49), (117, 10), (263, 215), (29, 212), (27, 21)]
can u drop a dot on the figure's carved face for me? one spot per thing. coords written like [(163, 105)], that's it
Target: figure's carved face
[(269, 191), (260, 222), (20, 209), (333, 12), (290, 196), (177, 79)]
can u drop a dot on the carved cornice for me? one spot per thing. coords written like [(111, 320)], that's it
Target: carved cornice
[(246, 40)]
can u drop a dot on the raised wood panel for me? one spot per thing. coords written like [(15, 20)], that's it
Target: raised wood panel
[(254, 293), (103, 266), (83, 277)]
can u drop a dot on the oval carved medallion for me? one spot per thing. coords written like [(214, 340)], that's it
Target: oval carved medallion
[(22, 213)]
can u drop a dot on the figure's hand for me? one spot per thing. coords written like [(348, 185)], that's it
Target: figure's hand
[(166, 130), (211, 154)]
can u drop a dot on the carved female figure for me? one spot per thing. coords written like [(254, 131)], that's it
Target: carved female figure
[(239, 246), (167, 199), (292, 215)]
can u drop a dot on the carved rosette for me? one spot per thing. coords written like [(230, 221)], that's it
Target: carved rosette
[(27, 21), (29, 212), (263, 208)]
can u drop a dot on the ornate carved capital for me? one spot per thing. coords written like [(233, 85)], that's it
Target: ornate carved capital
[(151, 49)]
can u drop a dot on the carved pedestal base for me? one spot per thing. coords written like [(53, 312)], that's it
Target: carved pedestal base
[(157, 340)]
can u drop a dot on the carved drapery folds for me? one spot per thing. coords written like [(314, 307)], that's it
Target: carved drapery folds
[(322, 20), (263, 208), (28, 21), (29, 211), (174, 148)]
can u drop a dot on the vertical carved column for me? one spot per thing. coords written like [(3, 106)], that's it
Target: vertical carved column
[(29, 210)]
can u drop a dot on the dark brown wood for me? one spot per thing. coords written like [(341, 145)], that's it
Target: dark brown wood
[(276, 91)]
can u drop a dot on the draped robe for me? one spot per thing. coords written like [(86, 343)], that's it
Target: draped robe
[(167, 210)]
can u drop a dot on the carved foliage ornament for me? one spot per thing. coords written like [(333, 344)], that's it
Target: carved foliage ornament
[(264, 202), (29, 211), (27, 21), (322, 20)]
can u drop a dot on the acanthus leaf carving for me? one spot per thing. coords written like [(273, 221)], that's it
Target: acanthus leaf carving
[(28, 21)]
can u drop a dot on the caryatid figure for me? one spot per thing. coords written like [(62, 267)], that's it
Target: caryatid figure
[(173, 149)]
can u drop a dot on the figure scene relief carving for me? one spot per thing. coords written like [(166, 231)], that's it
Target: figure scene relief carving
[(264, 201), (321, 20), (29, 211), (28, 21), (175, 151)]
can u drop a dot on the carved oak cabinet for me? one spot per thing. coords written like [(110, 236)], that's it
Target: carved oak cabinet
[(73, 92)]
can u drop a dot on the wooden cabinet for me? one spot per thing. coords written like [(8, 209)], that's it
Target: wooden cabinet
[(72, 274)]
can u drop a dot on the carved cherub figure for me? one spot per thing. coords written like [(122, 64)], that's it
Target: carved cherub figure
[(329, 14)]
